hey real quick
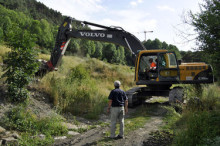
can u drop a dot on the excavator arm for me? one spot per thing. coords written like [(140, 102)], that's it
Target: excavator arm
[(115, 35)]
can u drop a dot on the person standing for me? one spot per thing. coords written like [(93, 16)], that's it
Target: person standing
[(118, 103)]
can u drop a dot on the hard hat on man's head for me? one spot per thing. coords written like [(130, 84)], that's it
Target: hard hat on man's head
[(117, 83)]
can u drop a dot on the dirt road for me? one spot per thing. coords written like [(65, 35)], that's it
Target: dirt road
[(134, 138)]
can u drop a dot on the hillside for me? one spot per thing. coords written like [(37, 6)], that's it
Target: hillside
[(68, 106)]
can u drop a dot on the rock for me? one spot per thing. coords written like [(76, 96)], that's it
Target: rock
[(73, 133), (15, 135), (83, 126), (60, 137), (41, 136), (10, 141), (2, 130), (69, 126)]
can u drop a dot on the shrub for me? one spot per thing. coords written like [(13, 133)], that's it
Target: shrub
[(24, 120), (30, 126), (21, 63), (199, 124), (201, 129)]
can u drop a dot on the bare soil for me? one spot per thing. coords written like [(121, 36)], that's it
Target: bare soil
[(139, 137)]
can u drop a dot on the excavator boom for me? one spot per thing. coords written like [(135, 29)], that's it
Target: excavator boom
[(115, 35)]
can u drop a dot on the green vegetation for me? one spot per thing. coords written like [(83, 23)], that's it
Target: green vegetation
[(198, 123), (30, 126), (206, 23), (83, 89), (21, 64)]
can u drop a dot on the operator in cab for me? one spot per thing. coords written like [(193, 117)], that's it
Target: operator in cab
[(152, 64)]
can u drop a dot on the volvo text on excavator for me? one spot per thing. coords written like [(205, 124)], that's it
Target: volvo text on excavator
[(158, 79)]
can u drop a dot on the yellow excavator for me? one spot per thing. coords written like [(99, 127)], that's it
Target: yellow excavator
[(166, 69)]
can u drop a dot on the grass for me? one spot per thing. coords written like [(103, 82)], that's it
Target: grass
[(3, 50), (81, 86), (30, 126), (199, 122)]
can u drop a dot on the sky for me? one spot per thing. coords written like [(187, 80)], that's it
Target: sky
[(163, 17)]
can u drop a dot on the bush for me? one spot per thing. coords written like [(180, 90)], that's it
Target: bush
[(201, 129), (199, 124), (24, 120), (28, 124), (21, 63)]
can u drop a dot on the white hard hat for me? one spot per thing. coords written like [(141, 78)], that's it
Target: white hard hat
[(117, 83)]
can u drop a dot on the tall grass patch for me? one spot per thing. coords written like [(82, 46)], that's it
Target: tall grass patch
[(77, 93), (106, 74), (200, 120), (81, 86)]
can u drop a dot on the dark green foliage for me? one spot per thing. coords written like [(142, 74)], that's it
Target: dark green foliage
[(1, 35), (44, 32), (207, 24), (201, 129), (199, 122), (78, 73), (21, 63), (34, 9), (98, 50)]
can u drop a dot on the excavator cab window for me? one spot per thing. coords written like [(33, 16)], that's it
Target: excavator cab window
[(147, 67), (168, 67)]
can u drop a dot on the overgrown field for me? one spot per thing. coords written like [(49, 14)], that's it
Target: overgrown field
[(197, 121)]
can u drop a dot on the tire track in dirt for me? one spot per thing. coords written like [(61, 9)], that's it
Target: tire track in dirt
[(96, 136), (137, 137), (86, 139)]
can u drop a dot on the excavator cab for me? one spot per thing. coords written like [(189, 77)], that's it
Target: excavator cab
[(156, 66)]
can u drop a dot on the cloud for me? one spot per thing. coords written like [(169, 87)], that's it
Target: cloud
[(136, 2), (132, 21), (165, 8), (80, 9)]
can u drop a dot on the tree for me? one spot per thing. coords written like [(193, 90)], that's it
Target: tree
[(98, 50), (21, 63), (165, 45), (156, 44), (108, 52), (207, 24), (1, 35), (87, 47)]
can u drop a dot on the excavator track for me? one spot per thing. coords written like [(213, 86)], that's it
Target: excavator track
[(138, 95)]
